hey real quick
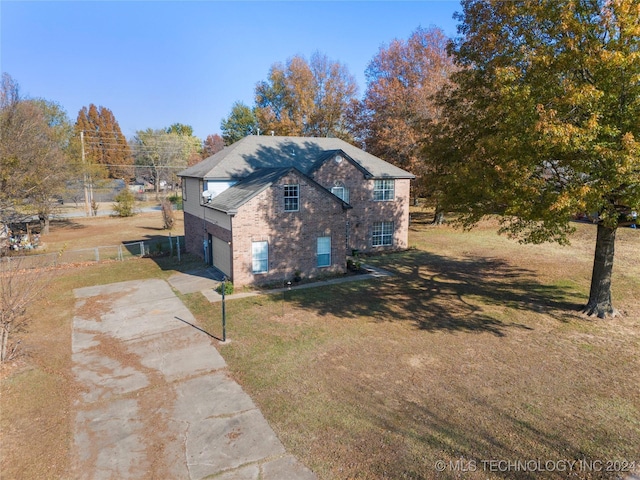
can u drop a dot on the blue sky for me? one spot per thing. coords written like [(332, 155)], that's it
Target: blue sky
[(154, 63)]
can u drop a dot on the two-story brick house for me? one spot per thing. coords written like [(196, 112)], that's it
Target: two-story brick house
[(266, 207)]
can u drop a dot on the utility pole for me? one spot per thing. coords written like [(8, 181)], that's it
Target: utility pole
[(87, 206)]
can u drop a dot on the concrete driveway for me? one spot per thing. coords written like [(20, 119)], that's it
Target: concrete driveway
[(156, 399)]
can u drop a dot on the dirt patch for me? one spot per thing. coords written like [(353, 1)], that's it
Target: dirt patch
[(152, 402), (93, 308)]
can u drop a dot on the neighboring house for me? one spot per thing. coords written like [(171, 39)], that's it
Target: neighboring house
[(267, 208)]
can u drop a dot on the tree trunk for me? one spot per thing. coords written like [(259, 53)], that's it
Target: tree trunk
[(438, 216), (600, 295), (3, 343), (44, 223)]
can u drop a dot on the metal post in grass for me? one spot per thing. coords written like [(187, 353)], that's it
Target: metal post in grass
[(224, 311)]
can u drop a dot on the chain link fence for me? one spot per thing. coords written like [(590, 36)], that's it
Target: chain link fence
[(173, 246)]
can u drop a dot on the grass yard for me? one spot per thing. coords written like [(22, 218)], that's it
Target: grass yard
[(471, 353), (37, 390)]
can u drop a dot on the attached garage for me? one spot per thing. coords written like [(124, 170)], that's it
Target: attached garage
[(222, 256)]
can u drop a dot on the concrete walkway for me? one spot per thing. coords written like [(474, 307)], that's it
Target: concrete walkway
[(206, 280), (156, 398)]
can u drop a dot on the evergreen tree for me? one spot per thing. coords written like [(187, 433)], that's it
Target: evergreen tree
[(240, 123)]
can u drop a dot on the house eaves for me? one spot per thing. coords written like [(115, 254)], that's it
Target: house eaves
[(239, 194), (253, 153)]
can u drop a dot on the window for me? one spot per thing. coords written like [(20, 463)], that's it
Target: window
[(291, 198), (184, 189), (382, 190), (382, 234), (260, 257), (324, 251), (341, 192)]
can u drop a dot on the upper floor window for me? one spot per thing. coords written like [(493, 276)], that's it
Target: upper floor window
[(340, 191), (291, 198), (383, 190), (184, 189)]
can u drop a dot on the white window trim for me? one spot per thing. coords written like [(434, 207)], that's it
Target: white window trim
[(387, 194), (297, 197), (382, 234), (345, 192), (253, 259), (319, 253)]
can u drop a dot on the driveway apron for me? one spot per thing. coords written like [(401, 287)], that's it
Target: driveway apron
[(156, 400)]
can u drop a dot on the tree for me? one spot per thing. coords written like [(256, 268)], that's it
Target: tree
[(240, 123), (33, 166), (168, 217), (192, 143), (306, 99), (402, 80), (19, 286), (161, 154), (212, 145), (125, 203), (104, 143), (181, 129), (543, 121)]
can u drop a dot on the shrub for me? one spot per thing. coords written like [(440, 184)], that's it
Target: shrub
[(176, 200), (125, 201), (167, 214), (228, 288)]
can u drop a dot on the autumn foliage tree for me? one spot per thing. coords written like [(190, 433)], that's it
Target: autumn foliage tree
[(104, 143), (212, 145), (402, 80), (304, 98), (34, 136), (543, 121)]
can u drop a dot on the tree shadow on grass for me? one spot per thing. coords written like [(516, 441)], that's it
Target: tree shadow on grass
[(466, 443), (438, 293)]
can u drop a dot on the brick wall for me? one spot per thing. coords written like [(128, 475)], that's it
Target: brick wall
[(193, 234), (291, 236), (365, 210)]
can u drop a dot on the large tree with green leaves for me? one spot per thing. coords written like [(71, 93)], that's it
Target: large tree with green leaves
[(240, 123), (543, 121)]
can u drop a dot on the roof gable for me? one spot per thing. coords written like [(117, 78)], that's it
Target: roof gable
[(249, 187)]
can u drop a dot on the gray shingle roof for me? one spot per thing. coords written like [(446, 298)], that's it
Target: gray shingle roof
[(304, 153), (234, 197)]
